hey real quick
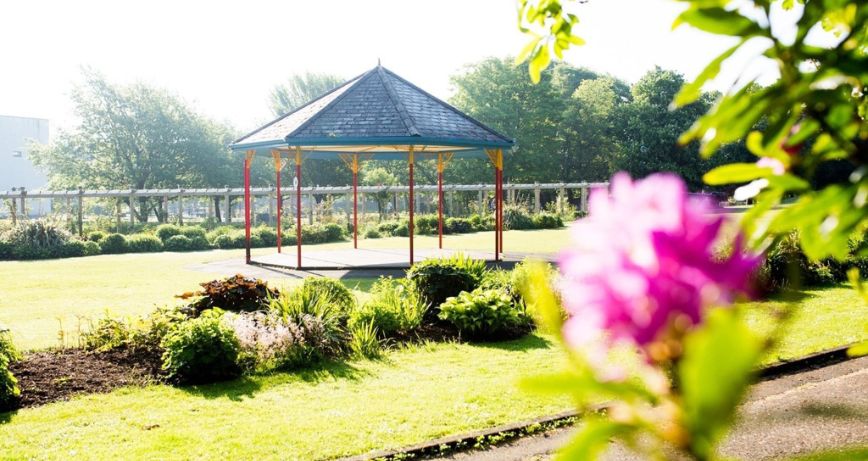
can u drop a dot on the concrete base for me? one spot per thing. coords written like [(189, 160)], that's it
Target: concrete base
[(362, 258)]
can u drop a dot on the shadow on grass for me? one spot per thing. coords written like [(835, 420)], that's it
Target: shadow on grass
[(526, 343), (7, 416), (248, 386)]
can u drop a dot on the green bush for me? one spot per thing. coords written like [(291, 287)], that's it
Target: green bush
[(395, 308), (786, 266), (516, 218), (266, 235), (388, 227), (402, 230), (96, 236), (546, 220), (91, 248), (140, 334), (333, 232), (9, 390), (438, 279), (482, 223), (365, 341), (237, 293), (166, 231), (178, 243), (223, 242), (330, 291), (308, 307), (5, 250), (113, 244), (372, 233), (36, 240), (73, 248), (201, 350), (426, 224), (485, 314), (193, 232), (457, 226), (144, 243)]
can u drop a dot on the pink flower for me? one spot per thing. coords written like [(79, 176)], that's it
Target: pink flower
[(643, 258)]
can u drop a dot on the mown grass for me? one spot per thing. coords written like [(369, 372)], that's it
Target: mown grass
[(412, 395), (41, 297)]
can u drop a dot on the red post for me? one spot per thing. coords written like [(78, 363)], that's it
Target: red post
[(279, 206), (247, 160), (496, 215), (440, 205), (355, 201), (298, 205), (500, 177), (411, 203)]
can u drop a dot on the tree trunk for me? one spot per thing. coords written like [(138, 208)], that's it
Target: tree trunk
[(217, 209)]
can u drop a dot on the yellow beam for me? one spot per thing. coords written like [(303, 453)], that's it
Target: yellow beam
[(278, 164)]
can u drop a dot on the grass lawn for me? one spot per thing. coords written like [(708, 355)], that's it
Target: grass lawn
[(410, 396), (41, 296)]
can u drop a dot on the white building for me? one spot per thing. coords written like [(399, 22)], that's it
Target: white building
[(16, 169)]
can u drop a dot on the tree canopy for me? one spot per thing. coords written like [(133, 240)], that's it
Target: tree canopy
[(300, 89)]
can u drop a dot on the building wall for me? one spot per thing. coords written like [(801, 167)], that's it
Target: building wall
[(16, 170)]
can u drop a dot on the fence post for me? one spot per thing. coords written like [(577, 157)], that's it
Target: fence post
[(482, 208), (562, 197), (81, 212), (228, 218), (536, 198), (117, 216), (452, 201), (310, 205), (23, 204), (132, 208), (181, 207)]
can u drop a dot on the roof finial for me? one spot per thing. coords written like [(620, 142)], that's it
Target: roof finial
[(378, 63)]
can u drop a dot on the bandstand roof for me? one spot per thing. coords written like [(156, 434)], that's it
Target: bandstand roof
[(376, 113)]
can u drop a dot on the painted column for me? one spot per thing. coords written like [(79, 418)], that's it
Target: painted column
[(440, 199), (355, 169), (411, 204), (279, 199), (247, 160), (298, 205)]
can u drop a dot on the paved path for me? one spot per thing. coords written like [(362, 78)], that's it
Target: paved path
[(793, 415)]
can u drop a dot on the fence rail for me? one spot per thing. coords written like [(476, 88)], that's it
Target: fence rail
[(71, 202)]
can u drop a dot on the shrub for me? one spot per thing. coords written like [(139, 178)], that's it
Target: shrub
[(516, 217), (786, 266), (236, 293), (178, 243), (372, 233), (330, 291), (107, 334), (5, 250), (9, 390), (113, 244), (166, 231), (140, 334), (193, 232), (388, 227), (457, 226), (438, 279), (95, 236), (394, 309), (546, 220), (426, 224), (36, 240), (201, 350), (91, 248), (326, 322), (365, 341), (333, 232), (402, 230), (266, 235), (269, 341), (482, 223), (144, 243), (73, 248), (223, 242), (485, 314)]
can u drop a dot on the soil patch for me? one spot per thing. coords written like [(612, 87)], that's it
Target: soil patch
[(50, 376)]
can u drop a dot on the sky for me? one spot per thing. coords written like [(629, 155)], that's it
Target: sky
[(225, 57)]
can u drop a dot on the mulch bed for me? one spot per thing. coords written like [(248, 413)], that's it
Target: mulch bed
[(50, 376)]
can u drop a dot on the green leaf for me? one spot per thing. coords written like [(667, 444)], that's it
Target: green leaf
[(591, 440), (717, 367), (735, 173), (717, 20), (526, 51), (538, 63), (691, 91), (788, 182)]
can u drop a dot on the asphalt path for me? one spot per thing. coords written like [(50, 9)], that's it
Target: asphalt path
[(793, 415)]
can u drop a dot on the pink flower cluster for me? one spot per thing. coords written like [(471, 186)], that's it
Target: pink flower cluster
[(643, 258)]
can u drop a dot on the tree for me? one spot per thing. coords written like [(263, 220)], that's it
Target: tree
[(379, 176), (300, 89), (136, 137)]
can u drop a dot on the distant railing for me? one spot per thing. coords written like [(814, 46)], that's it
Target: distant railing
[(72, 201)]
